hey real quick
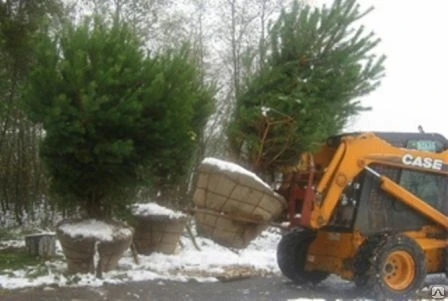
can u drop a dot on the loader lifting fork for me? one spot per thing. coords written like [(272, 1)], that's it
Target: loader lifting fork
[(366, 194)]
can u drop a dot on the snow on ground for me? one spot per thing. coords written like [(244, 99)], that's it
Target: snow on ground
[(305, 299), (12, 244), (206, 265)]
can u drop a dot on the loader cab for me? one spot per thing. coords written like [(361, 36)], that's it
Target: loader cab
[(366, 208)]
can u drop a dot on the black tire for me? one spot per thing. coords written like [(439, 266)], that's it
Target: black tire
[(396, 269), (361, 262), (291, 257)]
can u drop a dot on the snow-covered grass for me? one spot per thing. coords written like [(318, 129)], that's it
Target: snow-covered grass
[(206, 265)]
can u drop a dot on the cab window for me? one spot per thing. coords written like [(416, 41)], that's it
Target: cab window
[(425, 145), (430, 187)]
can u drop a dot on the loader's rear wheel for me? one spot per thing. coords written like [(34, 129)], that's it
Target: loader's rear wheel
[(397, 267), (291, 257)]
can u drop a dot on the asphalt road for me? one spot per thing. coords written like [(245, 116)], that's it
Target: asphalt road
[(254, 288)]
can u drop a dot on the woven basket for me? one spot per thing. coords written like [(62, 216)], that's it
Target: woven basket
[(233, 207), (226, 230), (158, 233), (80, 251), (111, 252)]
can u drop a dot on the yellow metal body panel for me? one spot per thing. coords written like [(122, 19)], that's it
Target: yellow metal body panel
[(333, 252)]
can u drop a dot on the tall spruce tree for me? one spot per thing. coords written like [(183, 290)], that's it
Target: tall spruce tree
[(318, 64), (114, 116)]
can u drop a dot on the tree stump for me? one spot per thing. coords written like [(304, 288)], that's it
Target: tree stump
[(41, 244)]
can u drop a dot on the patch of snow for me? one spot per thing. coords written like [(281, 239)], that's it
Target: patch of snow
[(232, 167), (190, 263), (285, 225), (48, 289), (41, 234), (306, 299), (12, 244), (155, 209), (95, 229), (265, 111), (96, 255)]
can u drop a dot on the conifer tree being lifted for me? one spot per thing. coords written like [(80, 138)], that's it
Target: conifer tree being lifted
[(319, 63)]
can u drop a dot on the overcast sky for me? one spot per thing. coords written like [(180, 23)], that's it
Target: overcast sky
[(414, 91)]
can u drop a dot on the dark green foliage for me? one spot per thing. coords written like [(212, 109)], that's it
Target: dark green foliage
[(19, 20), (319, 62), (22, 185), (114, 116)]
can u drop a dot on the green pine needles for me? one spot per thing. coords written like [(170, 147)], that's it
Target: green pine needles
[(319, 62), (114, 116)]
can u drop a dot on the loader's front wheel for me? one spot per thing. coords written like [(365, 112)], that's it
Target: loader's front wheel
[(291, 257), (397, 267)]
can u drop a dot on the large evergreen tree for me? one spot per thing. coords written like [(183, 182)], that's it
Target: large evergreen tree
[(319, 63), (114, 116)]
